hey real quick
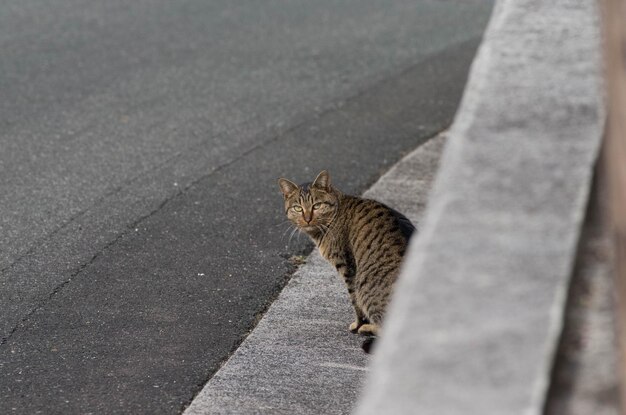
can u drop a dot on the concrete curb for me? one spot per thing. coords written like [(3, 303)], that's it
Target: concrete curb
[(301, 359), (478, 311)]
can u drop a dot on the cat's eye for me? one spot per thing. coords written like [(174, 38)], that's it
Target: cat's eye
[(317, 206), (297, 208)]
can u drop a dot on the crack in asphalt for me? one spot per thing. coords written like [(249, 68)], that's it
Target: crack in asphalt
[(303, 120), (137, 222)]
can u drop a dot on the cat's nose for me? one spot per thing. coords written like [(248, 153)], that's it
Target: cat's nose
[(308, 218)]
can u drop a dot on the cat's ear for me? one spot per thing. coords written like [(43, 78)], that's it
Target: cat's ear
[(287, 187), (322, 180)]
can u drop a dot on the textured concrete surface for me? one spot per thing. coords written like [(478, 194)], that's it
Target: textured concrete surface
[(140, 227), (479, 306), (301, 358)]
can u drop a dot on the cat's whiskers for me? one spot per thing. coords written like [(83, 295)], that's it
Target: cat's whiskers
[(327, 233), (295, 229), (284, 222), (291, 227)]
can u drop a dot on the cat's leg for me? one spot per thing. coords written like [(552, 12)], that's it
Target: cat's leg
[(348, 274), (369, 329), (360, 318), (374, 296), (372, 327)]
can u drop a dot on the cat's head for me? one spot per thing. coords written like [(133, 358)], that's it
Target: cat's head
[(310, 206)]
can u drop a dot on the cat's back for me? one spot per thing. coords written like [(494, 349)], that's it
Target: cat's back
[(374, 227)]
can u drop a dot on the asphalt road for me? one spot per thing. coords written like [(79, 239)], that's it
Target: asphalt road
[(141, 233)]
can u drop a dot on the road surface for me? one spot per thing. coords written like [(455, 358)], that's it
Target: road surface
[(141, 234)]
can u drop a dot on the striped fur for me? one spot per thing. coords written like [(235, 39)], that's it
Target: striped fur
[(363, 239)]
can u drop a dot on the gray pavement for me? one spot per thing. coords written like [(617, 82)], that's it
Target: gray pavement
[(140, 143), (478, 314), (301, 358), (479, 307)]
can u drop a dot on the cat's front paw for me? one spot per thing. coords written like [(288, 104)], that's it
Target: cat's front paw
[(368, 329), (354, 327)]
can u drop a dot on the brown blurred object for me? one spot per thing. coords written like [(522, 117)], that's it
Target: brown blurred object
[(614, 16)]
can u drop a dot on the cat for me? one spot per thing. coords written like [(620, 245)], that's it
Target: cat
[(363, 239)]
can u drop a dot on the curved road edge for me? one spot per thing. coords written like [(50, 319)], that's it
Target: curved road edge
[(301, 358), (479, 306)]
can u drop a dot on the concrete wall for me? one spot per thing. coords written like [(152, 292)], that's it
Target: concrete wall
[(478, 310)]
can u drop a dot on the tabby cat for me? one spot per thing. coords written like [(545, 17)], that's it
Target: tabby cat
[(363, 239)]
